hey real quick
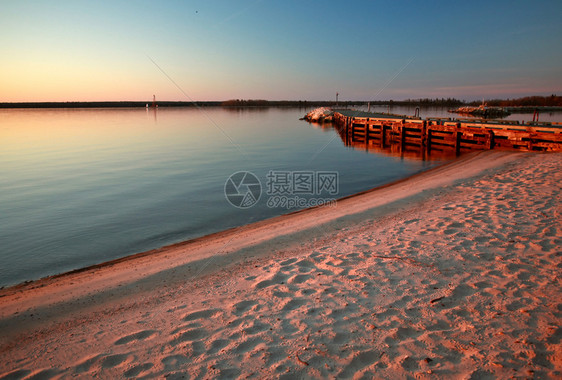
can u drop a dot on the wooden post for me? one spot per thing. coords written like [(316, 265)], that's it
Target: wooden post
[(490, 139), (397, 132), (458, 136), (393, 130), (344, 128), (402, 136), (423, 134), (367, 132)]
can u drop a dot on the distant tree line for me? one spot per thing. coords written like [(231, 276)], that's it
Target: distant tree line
[(437, 102), (424, 102), (527, 101), (287, 103), (120, 104)]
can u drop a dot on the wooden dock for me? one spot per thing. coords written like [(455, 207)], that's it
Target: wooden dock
[(441, 136)]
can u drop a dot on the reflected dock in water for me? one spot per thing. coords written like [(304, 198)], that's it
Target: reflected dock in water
[(434, 139)]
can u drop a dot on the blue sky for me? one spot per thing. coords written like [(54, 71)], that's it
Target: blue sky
[(218, 50)]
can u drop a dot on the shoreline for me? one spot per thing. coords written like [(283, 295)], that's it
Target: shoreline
[(174, 104), (112, 281), (195, 242), (186, 243), (379, 255)]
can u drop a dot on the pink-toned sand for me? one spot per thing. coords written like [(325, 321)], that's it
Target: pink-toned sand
[(453, 272)]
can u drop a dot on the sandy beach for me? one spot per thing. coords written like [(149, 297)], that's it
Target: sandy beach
[(454, 272)]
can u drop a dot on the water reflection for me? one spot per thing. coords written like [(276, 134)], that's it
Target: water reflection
[(442, 112), (79, 187), (373, 146), (153, 113)]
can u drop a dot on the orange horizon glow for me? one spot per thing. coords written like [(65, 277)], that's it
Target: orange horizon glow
[(114, 51)]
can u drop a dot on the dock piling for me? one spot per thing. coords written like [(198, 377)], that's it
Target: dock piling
[(447, 135)]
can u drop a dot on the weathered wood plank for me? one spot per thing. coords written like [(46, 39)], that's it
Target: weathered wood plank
[(448, 134)]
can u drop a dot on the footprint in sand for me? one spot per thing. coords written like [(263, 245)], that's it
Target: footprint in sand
[(547, 245), (281, 294), (466, 243), (523, 275), (358, 363), (275, 280), (341, 338), (228, 373), (138, 369), (113, 361), (255, 328), (174, 362), (438, 325), (333, 261), (386, 314), (189, 326), (196, 348), (404, 333), (85, 365), (482, 284), (555, 337), (409, 364), (515, 305), (305, 266), (480, 374), (241, 307), (306, 292), (462, 290), (17, 374), (362, 246), (200, 314), (237, 322), (457, 295), (189, 336), (293, 304), (49, 373), (288, 262), (299, 278), (452, 228), (141, 335), (413, 313), (174, 309), (247, 345), (414, 244), (217, 345)]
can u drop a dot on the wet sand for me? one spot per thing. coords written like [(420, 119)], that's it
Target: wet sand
[(455, 271)]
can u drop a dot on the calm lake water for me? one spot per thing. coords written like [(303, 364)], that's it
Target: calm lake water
[(79, 187)]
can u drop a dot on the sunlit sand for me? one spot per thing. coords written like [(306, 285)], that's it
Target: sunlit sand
[(454, 271)]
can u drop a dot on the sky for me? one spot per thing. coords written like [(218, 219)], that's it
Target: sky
[(278, 50)]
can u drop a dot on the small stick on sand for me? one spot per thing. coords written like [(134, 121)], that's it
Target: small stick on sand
[(300, 361), (436, 299)]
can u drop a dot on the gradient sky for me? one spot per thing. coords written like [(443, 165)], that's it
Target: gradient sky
[(218, 50)]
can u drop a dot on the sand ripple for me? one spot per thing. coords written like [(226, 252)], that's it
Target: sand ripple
[(462, 283)]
